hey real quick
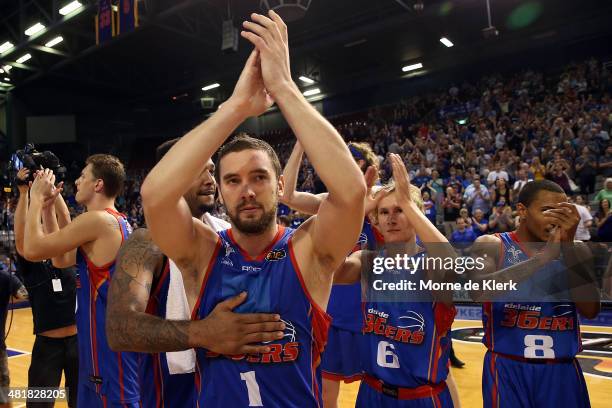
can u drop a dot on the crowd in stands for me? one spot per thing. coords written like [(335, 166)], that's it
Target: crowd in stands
[(470, 149)]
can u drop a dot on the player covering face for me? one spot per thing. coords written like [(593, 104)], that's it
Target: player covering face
[(532, 342)]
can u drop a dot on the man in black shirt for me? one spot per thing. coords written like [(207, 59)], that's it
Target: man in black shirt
[(52, 295), (9, 286)]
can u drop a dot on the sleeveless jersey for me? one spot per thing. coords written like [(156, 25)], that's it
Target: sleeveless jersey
[(287, 376), (531, 329), (102, 370), (345, 300), (159, 388), (406, 343)]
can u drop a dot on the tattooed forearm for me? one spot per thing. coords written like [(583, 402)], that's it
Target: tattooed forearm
[(147, 333), (128, 327)]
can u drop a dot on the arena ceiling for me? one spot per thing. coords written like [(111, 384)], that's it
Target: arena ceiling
[(340, 43)]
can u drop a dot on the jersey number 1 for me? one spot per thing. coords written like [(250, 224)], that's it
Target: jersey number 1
[(252, 388)]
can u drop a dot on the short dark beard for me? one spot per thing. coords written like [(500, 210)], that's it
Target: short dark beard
[(254, 227), (206, 208)]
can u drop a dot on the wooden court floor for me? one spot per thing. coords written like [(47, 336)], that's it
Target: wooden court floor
[(468, 379)]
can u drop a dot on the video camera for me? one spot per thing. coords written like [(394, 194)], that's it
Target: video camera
[(34, 160)]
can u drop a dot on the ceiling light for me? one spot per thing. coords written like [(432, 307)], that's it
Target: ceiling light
[(412, 67), (24, 58), (446, 42), (311, 92), (69, 8), (306, 80), (5, 47), (54, 41), (36, 28), (211, 86), (7, 79), (7, 68)]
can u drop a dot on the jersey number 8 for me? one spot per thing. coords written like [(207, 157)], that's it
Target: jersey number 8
[(539, 347)]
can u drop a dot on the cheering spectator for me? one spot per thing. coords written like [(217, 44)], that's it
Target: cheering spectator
[(477, 197), (500, 189), (586, 220), (480, 225), (604, 221), (451, 205), (586, 171), (603, 213), (558, 175), (521, 180), (537, 169), (605, 162), (430, 207), (497, 173), (606, 192), (462, 236), (501, 220)]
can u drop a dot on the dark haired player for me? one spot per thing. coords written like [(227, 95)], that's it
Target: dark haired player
[(144, 290), (532, 342), (286, 272)]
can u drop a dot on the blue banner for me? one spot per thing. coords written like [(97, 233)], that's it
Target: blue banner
[(128, 15), (105, 24)]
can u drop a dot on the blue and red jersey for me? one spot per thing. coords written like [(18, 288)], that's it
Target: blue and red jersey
[(531, 329), (112, 375), (406, 341), (158, 388), (345, 300), (289, 374)]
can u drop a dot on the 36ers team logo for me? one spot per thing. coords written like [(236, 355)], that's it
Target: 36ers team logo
[(530, 317), (410, 328), (284, 350)]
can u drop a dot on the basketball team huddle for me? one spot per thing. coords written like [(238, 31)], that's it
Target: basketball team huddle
[(197, 312)]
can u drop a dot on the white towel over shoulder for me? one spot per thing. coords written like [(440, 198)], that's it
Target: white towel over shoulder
[(177, 308)]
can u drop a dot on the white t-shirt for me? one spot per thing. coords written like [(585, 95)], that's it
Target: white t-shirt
[(494, 175), (583, 233)]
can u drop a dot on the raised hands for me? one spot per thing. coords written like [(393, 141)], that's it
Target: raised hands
[(22, 176), (400, 176), (44, 189), (250, 95), (566, 217), (269, 36), (372, 200)]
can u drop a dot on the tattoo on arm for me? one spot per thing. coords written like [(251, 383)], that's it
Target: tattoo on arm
[(129, 327)]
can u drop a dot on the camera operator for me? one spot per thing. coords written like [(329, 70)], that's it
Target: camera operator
[(52, 296), (9, 286)]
